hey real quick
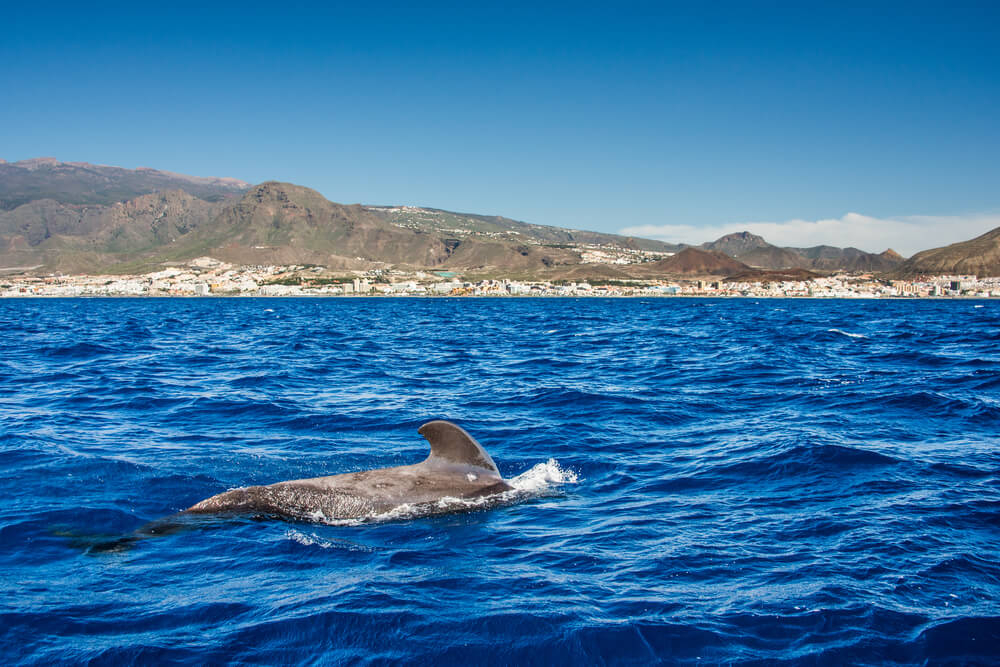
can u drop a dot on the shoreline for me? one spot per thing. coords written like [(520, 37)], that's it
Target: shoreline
[(587, 297), (225, 281)]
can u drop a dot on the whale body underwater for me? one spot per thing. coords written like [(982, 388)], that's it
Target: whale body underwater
[(457, 468)]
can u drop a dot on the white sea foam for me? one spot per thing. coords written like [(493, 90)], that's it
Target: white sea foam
[(846, 333), (314, 540), (308, 540)]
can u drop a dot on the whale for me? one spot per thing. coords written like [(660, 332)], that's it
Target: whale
[(457, 468), (457, 476)]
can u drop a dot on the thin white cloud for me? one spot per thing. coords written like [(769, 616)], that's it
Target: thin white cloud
[(906, 235)]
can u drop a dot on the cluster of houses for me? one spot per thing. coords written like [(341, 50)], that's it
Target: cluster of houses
[(206, 276)]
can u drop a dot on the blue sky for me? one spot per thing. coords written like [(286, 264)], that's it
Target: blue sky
[(867, 126)]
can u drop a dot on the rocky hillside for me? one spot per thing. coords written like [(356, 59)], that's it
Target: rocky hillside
[(271, 223), (92, 238), (979, 257), (830, 258), (432, 220), (692, 262), (755, 251), (758, 253)]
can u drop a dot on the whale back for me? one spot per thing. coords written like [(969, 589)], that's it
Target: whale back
[(452, 446)]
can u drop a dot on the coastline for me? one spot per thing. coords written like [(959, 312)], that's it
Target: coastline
[(207, 277), (772, 297)]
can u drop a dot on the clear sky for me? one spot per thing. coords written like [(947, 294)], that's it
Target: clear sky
[(851, 125)]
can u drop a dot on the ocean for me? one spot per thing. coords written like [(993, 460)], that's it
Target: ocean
[(704, 481)]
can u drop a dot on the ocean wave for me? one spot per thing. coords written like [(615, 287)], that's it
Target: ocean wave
[(802, 461), (82, 350), (846, 333), (312, 539)]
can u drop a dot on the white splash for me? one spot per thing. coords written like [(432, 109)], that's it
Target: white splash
[(543, 477), (541, 480), (846, 333)]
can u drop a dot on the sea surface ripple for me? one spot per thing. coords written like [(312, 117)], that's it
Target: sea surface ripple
[(755, 481)]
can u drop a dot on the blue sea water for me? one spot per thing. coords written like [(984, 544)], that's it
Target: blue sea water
[(713, 481)]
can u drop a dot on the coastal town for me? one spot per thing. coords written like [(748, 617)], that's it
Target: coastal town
[(207, 277)]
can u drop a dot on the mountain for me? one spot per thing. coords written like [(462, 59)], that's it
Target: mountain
[(755, 251), (77, 217), (830, 258), (88, 238), (738, 243), (281, 223), (271, 223), (979, 256), (692, 262), (83, 183)]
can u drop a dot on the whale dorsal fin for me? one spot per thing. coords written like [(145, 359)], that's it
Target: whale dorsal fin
[(451, 445)]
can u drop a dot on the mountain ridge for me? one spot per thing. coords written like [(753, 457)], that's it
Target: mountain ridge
[(979, 256), (758, 253), (85, 183), (95, 218)]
